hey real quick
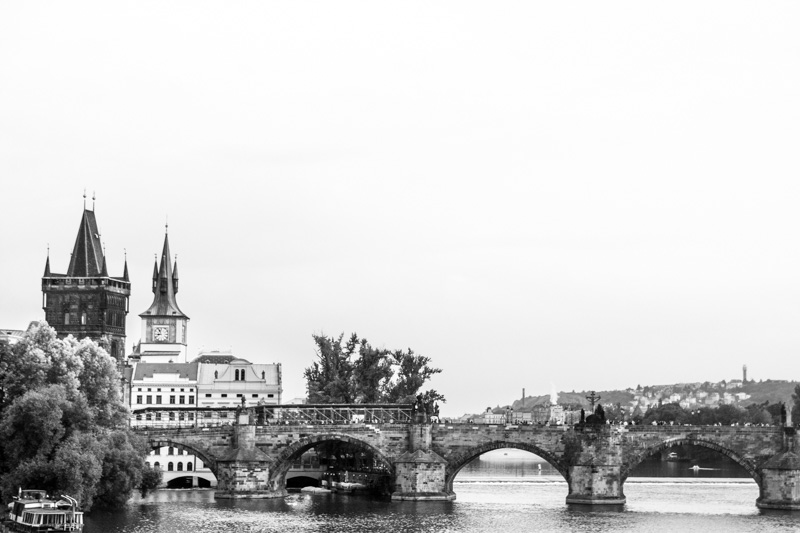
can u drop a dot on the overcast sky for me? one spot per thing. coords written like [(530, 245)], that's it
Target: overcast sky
[(591, 195)]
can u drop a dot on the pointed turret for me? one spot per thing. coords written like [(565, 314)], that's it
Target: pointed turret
[(104, 270), (47, 266), (155, 275), (175, 275), (87, 254), (164, 303), (125, 272)]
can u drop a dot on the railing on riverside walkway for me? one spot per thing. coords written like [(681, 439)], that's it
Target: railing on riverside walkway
[(307, 414)]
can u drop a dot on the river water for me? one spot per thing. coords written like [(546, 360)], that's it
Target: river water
[(498, 493)]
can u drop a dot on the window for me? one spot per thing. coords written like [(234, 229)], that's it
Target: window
[(171, 451), (170, 467), (139, 399), (191, 416), (180, 467), (236, 375), (157, 451), (149, 398), (188, 466), (263, 375), (208, 396), (181, 390), (191, 399), (158, 416), (238, 395), (139, 389), (149, 389), (224, 395), (255, 395), (158, 390), (158, 399), (270, 395), (83, 318), (138, 417), (172, 399), (157, 465), (241, 374), (148, 416), (172, 390), (66, 319), (216, 374), (172, 416), (181, 416), (182, 399)]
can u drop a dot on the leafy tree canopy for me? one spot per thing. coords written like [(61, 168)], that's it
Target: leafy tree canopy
[(63, 422), (353, 371)]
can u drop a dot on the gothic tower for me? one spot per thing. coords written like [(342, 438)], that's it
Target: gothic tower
[(86, 301), (164, 324)]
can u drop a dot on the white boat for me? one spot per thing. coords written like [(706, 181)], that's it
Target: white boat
[(33, 510)]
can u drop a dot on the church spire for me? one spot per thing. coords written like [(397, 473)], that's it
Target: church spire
[(125, 272)]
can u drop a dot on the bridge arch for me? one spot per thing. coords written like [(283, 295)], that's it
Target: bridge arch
[(636, 459), (283, 462), (457, 462), (208, 460)]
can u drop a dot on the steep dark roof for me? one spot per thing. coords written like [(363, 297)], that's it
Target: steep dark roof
[(184, 370), (87, 255), (164, 302)]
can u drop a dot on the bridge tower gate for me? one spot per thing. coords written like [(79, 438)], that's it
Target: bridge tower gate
[(420, 473)]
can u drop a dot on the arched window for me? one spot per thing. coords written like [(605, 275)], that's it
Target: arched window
[(216, 374), (180, 467), (263, 375), (241, 374), (170, 467), (188, 466), (236, 375), (157, 465)]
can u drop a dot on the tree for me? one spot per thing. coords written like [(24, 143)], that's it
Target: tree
[(796, 406), (353, 371), (62, 421)]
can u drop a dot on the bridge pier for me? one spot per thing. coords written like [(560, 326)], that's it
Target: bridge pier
[(595, 485), (245, 471), (420, 474), (780, 478), (595, 472)]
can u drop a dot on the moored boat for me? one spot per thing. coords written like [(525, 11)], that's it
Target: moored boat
[(33, 510)]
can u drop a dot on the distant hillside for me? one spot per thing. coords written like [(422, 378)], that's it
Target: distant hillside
[(772, 391)]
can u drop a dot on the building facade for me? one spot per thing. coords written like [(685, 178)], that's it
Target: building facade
[(86, 301)]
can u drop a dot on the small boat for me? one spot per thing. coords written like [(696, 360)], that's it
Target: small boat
[(33, 510)]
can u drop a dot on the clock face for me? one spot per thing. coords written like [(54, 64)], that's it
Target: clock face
[(161, 333)]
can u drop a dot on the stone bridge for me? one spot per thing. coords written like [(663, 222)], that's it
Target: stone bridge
[(251, 461)]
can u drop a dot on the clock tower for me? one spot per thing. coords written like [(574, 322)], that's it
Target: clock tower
[(164, 324)]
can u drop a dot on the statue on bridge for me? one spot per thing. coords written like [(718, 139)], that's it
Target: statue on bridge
[(598, 418)]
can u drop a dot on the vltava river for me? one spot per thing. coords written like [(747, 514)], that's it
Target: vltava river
[(496, 494)]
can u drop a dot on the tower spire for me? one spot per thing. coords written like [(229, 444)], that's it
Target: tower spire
[(47, 263), (125, 272)]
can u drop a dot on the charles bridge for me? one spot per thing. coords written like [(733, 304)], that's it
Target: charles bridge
[(250, 458)]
